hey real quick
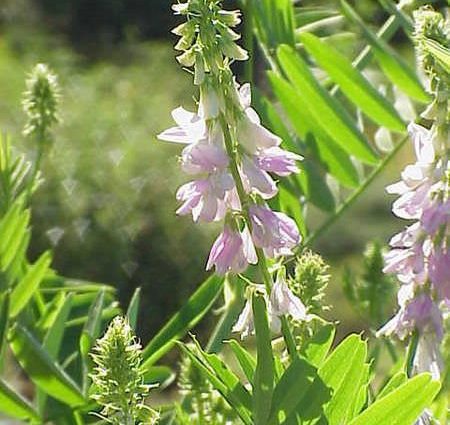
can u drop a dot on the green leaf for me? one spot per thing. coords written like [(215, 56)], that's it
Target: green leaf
[(42, 369), (326, 109), (440, 53), (54, 336), (246, 361), (235, 394), (263, 382), (395, 68), (162, 376), (291, 204), (353, 83), (393, 383), (316, 348), (339, 410), (189, 315), (12, 404), (294, 384), (4, 322), (53, 339), (314, 186), (91, 329), (336, 160), (133, 308), (401, 406), (26, 288)]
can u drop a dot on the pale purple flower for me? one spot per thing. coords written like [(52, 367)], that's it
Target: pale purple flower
[(232, 251), (190, 128), (419, 312), (406, 263), (272, 231), (205, 199), (406, 238), (428, 356), (434, 216), (250, 133), (439, 271), (257, 180), (284, 302), (278, 161), (245, 324), (202, 157)]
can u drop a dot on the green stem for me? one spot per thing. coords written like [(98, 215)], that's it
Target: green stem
[(243, 197), (411, 353), (248, 41)]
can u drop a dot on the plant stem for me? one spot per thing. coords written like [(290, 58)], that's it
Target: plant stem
[(243, 197), (411, 353)]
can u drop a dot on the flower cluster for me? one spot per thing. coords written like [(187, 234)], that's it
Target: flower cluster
[(231, 155), (118, 379), (420, 255), (40, 102), (281, 302)]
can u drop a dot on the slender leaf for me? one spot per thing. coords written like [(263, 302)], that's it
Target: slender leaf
[(42, 369), (263, 383), (26, 288), (189, 315), (233, 395), (316, 348), (328, 112), (440, 53), (353, 83), (401, 406), (246, 361), (133, 308), (395, 68), (398, 379), (12, 404), (91, 329), (162, 376)]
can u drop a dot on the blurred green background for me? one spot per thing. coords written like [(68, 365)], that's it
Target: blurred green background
[(108, 202)]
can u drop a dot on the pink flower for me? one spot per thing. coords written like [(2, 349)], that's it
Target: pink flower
[(190, 128), (232, 251), (439, 272), (407, 263), (273, 231), (203, 157), (278, 161), (434, 216), (284, 302), (257, 180), (419, 312), (428, 356), (205, 199), (250, 133)]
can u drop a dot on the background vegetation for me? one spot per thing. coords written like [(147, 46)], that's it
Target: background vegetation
[(108, 200)]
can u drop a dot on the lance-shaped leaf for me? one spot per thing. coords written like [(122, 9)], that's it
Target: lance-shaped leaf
[(327, 111), (336, 160), (246, 361), (440, 53), (263, 382), (353, 84), (223, 380), (401, 406), (189, 315), (46, 373), (13, 405), (133, 308), (91, 329), (395, 68), (26, 288), (162, 376)]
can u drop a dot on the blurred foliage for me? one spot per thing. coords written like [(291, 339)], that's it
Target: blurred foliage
[(108, 198)]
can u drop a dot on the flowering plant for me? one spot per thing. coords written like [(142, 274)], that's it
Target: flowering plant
[(260, 160)]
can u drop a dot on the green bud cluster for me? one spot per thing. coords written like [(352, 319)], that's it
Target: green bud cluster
[(118, 380), (40, 102), (310, 281), (431, 35)]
